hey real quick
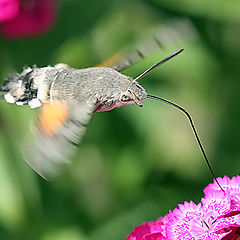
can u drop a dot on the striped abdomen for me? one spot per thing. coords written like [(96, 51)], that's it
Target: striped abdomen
[(31, 87)]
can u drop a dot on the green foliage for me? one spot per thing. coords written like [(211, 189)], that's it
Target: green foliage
[(134, 164)]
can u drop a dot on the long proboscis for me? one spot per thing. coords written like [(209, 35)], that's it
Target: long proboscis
[(194, 131), (181, 109)]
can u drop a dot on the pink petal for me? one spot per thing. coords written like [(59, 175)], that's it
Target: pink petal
[(139, 232), (228, 222), (152, 230), (224, 182), (159, 225), (155, 236), (232, 189), (146, 229), (233, 185), (217, 203), (185, 222), (8, 9), (33, 19)]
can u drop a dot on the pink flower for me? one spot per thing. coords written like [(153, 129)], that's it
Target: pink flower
[(230, 186), (216, 217), (224, 209), (26, 17), (8, 9), (191, 221)]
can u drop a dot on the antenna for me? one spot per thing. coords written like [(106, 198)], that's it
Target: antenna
[(181, 109), (194, 131), (159, 63)]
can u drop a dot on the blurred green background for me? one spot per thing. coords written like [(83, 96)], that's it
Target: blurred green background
[(134, 164)]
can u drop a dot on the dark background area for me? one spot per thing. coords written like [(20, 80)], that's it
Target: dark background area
[(134, 164)]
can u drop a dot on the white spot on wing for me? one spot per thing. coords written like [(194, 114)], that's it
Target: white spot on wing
[(9, 98), (34, 103)]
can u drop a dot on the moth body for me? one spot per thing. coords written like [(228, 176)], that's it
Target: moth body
[(36, 86)]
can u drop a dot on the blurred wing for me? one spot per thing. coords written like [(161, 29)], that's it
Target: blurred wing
[(111, 61), (171, 34), (61, 127)]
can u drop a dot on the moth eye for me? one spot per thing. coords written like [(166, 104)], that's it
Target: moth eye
[(124, 98)]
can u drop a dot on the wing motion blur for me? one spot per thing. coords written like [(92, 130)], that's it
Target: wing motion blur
[(176, 32), (61, 127)]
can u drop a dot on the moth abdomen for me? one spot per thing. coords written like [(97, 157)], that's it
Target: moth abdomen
[(9, 82), (17, 88), (27, 88)]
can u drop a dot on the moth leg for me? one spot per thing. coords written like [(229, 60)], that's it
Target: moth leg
[(135, 99)]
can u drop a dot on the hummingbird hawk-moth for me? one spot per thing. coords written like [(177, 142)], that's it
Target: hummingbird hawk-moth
[(68, 97)]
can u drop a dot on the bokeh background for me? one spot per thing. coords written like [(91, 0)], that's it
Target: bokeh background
[(134, 164)]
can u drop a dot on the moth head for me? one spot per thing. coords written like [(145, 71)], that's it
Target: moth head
[(134, 94)]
